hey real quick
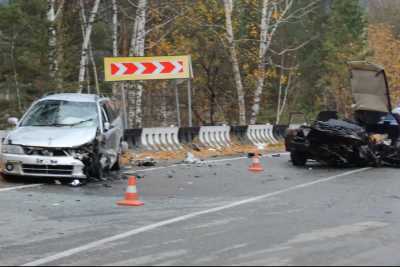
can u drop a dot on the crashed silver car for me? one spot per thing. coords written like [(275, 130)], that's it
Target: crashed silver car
[(65, 136)]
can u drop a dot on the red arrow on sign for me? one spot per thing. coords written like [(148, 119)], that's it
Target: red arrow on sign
[(147, 68)]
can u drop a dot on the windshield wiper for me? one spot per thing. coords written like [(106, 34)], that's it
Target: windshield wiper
[(80, 122), (61, 124)]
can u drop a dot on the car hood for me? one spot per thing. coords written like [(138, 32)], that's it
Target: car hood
[(369, 87), (52, 137)]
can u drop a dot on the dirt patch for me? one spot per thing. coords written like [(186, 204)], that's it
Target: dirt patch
[(204, 153)]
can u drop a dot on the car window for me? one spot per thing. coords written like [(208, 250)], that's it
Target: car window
[(109, 111), (104, 116), (58, 113), (113, 108)]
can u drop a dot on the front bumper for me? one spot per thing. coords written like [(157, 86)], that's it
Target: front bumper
[(40, 166)]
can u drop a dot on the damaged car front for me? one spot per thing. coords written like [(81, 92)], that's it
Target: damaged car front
[(370, 138), (60, 136)]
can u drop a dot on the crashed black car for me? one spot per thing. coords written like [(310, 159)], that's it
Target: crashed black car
[(370, 138)]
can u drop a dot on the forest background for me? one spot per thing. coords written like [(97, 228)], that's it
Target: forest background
[(254, 61)]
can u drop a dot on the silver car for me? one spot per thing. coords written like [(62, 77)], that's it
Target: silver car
[(70, 136)]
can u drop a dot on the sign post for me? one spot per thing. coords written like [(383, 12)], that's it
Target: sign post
[(190, 103), (178, 105)]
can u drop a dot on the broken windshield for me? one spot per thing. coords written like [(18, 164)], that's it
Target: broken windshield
[(57, 113)]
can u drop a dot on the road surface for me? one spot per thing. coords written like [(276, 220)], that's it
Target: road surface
[(212, 214)]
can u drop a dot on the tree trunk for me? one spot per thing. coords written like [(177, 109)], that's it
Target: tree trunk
[(228, 4), (267, 33), (115, 87), (164, 107), (16, 81), (115, 28), (94, 67), (52, 17), (52, 42), (85, 45), (265, 21), (91, 55), (137, 49)]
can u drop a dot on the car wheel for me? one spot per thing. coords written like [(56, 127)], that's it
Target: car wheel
[(298, 159), (96, 170), (117, 166)]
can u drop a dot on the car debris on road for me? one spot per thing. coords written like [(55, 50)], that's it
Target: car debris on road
[(191, 159), (147, 162)]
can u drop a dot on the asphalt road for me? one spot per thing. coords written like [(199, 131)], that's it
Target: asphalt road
[(214, 214)]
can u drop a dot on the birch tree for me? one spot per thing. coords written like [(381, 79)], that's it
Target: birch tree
[(285, 84), (137, 48), (228, 6), (274, 14), (86, 43), (84, 27), (115, 27), (54, 14)]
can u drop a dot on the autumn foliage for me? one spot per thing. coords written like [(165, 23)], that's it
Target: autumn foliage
[(385, 46)]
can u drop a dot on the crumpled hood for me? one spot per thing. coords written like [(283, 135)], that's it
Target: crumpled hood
[(52, 137)]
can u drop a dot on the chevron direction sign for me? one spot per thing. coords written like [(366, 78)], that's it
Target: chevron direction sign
[(147, 68)]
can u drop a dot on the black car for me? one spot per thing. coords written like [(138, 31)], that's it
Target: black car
[(353, 142)]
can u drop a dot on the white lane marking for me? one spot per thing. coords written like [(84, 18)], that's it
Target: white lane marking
[(236, 247), (202, 163), (331, 233), (99, 243), (19, 187)]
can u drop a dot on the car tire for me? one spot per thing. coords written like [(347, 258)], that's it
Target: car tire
[(96, 170), (298, 159), (117, 166)]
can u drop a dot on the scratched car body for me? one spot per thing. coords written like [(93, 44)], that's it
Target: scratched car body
[(70, 136)]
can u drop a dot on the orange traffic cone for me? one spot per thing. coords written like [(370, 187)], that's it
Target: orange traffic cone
[(256, 165), (131, 195)]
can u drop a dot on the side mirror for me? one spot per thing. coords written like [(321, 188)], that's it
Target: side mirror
[(107, 126), (13, 121)]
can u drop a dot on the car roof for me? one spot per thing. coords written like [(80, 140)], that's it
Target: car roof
[(73, 97)]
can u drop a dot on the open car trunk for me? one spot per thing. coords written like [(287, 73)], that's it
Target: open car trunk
[(370, 88)]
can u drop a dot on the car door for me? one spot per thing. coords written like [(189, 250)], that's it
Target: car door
[(117, 122), (113, 135)]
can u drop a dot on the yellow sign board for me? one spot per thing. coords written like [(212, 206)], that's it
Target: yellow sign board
[(147, 68)]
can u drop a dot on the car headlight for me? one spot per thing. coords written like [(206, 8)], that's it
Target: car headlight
[(12, 149)]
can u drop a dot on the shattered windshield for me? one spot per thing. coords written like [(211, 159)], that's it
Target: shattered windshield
[(57, 113)]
